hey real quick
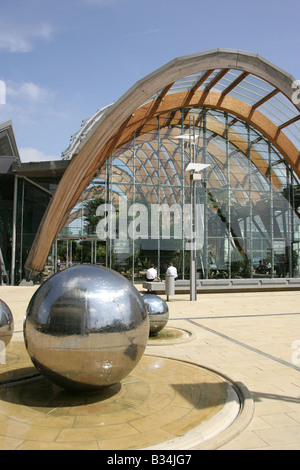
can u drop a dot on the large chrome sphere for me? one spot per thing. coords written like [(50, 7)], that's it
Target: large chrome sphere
[(6, 324), (158, 312), (86, 327)]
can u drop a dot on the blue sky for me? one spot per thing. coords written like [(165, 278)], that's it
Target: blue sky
[(62, 60)]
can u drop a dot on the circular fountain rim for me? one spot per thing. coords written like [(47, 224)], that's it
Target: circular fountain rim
[(156, 341), (222, 432)]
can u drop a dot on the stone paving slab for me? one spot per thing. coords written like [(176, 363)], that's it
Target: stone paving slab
[(253, 338)]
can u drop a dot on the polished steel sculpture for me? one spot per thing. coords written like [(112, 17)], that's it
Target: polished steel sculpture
[(86, 327), (6, 323), (158, 312)]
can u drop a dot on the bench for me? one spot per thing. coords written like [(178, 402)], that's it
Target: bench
[(226, 285)]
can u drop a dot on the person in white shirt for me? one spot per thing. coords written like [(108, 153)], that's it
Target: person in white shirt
[(172, 271), (151, 273)]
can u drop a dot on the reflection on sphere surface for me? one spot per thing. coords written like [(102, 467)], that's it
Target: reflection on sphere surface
[(158, 312), (86, 327)]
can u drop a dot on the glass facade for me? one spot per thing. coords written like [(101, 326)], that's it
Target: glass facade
[(248, 203), (33, 197), (6, 217)]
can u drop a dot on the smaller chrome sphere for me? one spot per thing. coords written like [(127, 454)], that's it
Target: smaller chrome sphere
[(158, 312), (6, 323)]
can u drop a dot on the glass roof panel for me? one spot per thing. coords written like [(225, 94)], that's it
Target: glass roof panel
[(251, 90), (293, 133), (210, 78), (186, 83), (227, 79), (278, 109)]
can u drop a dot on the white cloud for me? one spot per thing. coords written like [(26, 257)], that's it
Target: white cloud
[(17, 38), (28, 91), (29, 154)]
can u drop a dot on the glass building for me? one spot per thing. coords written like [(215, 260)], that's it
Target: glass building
[(26, 190), (249, 197), (123, 196)]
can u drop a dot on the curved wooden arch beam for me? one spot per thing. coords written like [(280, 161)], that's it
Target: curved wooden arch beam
[(109, 130), (203, 99)]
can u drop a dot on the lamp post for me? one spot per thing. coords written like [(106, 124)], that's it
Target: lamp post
[(195, 170)]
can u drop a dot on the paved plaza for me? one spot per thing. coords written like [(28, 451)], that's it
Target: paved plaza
[(253, 339)]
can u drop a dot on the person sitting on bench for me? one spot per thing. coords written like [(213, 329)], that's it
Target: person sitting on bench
[(172, 271), (151, 273)]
